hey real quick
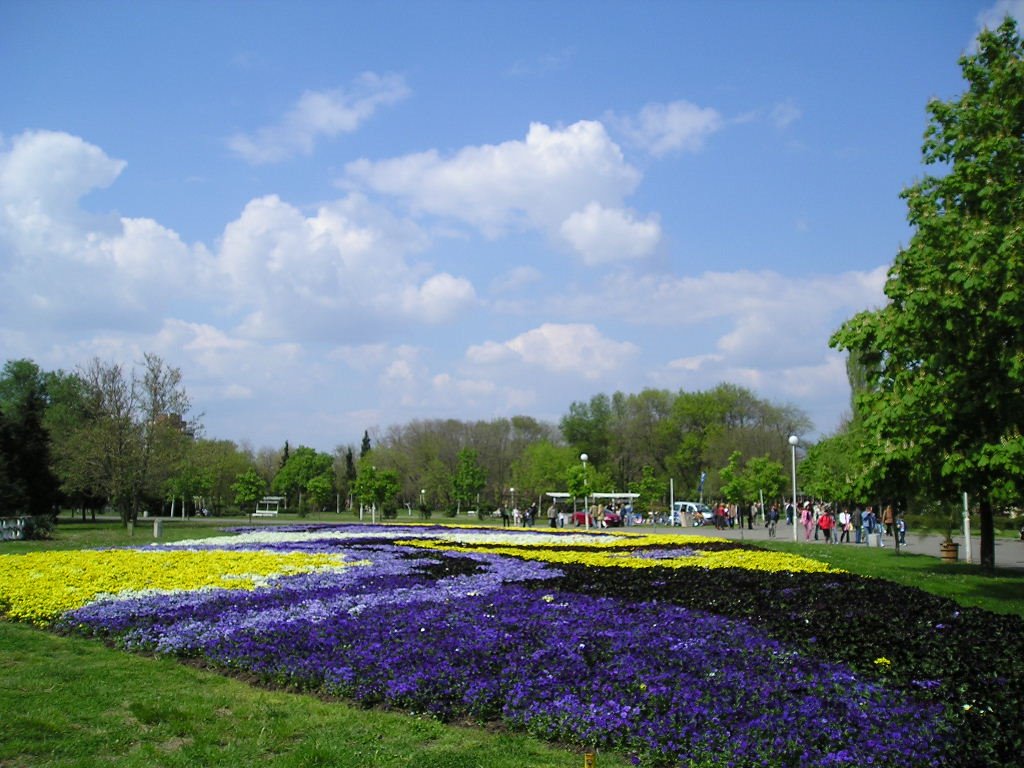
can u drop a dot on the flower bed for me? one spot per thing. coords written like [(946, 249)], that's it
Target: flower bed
[(676, 649)]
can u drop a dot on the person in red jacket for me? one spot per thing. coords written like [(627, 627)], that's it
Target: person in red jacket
[(826, 522)]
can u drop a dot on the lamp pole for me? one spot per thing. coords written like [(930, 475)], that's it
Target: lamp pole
[(794, 441), (586, 507), (513, 491)]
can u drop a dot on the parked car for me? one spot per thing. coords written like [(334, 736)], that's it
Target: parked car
[(691, 513)]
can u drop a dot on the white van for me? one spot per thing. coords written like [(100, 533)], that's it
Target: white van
[(689, 512)]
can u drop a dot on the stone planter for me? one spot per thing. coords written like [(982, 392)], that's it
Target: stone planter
[(949, 551)]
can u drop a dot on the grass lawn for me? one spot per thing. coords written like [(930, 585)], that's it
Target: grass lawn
[(74, 702)]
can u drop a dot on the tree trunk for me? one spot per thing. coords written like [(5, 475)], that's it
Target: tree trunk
[(988, 535)]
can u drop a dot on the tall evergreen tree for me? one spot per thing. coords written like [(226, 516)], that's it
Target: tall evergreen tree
[(27, 483)]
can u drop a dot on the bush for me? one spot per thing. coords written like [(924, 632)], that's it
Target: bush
[(39, 526)]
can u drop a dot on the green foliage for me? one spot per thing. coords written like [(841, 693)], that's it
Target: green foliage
[(746, 482), (831, 469), (766, 477), (375, 486), (542, 467), (469, 479), (734, 486), (303, 465), (320, 491), (249, 487), (944, 359), (27, 484), (587, 427), (651, 490)]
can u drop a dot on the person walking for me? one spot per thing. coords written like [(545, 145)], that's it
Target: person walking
[(845, 526), (826, 522), (869, 524), (888, 519), (553, 515), (807, 519), (773, 518), (857, 520)]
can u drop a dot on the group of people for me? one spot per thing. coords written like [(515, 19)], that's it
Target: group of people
[(837, 527), (518, 517)]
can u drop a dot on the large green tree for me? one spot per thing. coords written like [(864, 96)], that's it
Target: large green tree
[(302, 466), (944, 399), (249, 487)]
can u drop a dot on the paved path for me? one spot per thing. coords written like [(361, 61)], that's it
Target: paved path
[(1009, 552)]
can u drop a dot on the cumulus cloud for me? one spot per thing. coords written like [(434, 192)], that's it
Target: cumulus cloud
[(678, 126), (559, 348), (68, 265), (342, 271), (47, 172), (604, 235), (332, 273), (537, 182), (319, 114)]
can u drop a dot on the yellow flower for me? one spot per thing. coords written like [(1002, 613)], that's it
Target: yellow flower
[(750, 559), (38, 587), (883, 662)]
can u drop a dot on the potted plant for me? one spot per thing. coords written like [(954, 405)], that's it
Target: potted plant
[(949, 550)]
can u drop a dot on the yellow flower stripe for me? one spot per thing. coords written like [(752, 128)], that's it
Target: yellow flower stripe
[(38, 587), (755, 560)]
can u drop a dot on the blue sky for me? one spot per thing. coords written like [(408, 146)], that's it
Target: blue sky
[(343, 216)]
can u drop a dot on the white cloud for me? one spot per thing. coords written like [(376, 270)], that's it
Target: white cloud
[(537, 182), (678, 126), (336, 274), (341, 272), (558, 348), (439, 298), (66, 265), (320, 114), (992, 17), (785, 113), (604, 235)]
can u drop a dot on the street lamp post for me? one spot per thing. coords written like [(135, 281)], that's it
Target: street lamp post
[(423, 502), (586, 494), (793, 442), (513, 491)]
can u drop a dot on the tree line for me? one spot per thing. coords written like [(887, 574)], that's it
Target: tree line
[(110, 437)]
